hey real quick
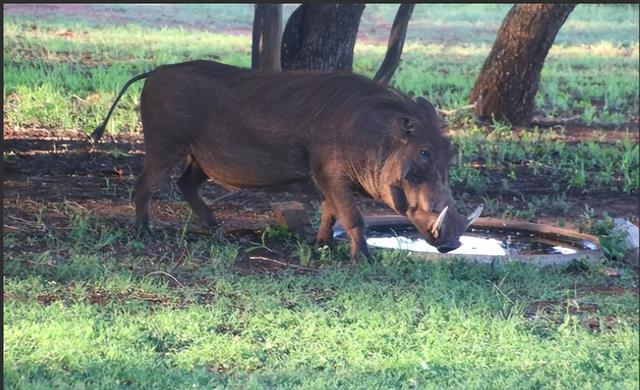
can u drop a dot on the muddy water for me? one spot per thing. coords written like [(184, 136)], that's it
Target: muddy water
[(475, 242)]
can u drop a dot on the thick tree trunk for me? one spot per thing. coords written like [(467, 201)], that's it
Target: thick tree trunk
[(395, 45), (508, 81), (267, 33), (321, 37)]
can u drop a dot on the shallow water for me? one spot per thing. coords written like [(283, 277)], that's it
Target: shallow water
[(475, 242)]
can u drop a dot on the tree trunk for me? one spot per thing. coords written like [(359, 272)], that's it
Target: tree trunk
[(395, 45), (267, 32), (508, 81), (321, 37)]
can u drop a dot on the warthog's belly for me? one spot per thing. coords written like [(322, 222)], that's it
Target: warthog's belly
[(238, 168)]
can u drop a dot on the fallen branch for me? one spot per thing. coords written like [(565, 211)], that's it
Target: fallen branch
[(38, 225), (78, 98), (575, 120), (503, 294), (150, 299), (76, 204), (9, 228)]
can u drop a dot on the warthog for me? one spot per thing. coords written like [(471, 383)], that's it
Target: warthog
[(343, 132)]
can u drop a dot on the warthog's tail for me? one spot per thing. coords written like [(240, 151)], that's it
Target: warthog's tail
[(97, 133)]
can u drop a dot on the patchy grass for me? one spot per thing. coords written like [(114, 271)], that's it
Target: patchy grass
[(496, 158), (101, 308), (66, 73)]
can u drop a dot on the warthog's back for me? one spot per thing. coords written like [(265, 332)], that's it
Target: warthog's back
[(243, 128), (254, 128)]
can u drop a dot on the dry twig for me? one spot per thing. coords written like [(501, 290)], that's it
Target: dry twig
[(449, 112), (282, 263), (166, 274)]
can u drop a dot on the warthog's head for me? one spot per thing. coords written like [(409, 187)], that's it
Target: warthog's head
[(415, 178)]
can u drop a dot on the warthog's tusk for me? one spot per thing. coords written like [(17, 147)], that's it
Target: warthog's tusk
[(435, 230), (471, 218)]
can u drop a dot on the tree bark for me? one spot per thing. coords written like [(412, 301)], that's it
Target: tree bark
[(267, 33), (396, 43), (321, 37), (508, 81)]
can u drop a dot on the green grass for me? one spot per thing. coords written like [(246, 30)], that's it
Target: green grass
[(94, 311), (54, 81), (51, 81), (88, 304), (48, 76), (432, 23), (583, 166), (587, 24)]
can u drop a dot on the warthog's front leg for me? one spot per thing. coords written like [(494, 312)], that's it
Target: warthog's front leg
[(189, 183), (343, 204), (327, 219)]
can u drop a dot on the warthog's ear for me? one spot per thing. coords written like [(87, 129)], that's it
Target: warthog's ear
[(430, 110), (424, 103), (398, 199), (404, 128)]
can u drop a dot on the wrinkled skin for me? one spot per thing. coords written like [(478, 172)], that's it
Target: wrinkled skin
[(343, 132), (421, 187)]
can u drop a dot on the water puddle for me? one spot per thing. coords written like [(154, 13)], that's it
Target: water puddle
[(474, 242)]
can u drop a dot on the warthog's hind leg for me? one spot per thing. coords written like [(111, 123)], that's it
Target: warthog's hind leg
[(343, 204), (189, 183), (156, 167)]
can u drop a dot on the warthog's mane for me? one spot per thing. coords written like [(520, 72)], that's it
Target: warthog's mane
[(309, 98)]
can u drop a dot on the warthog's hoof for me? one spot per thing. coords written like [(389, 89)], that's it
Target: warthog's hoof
[(216, 232), (142, 231), (319, 243), (356, 256)]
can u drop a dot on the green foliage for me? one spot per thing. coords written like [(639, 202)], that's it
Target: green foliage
[(223, 254), (612, 241), (501, 152), (59, 81), (93, 321)]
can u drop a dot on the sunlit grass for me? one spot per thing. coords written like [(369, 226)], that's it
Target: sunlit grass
[(55, 76), (601, 49), (96, 317), (49, 67)]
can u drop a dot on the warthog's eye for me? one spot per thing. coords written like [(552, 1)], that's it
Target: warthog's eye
[(425, 155)]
